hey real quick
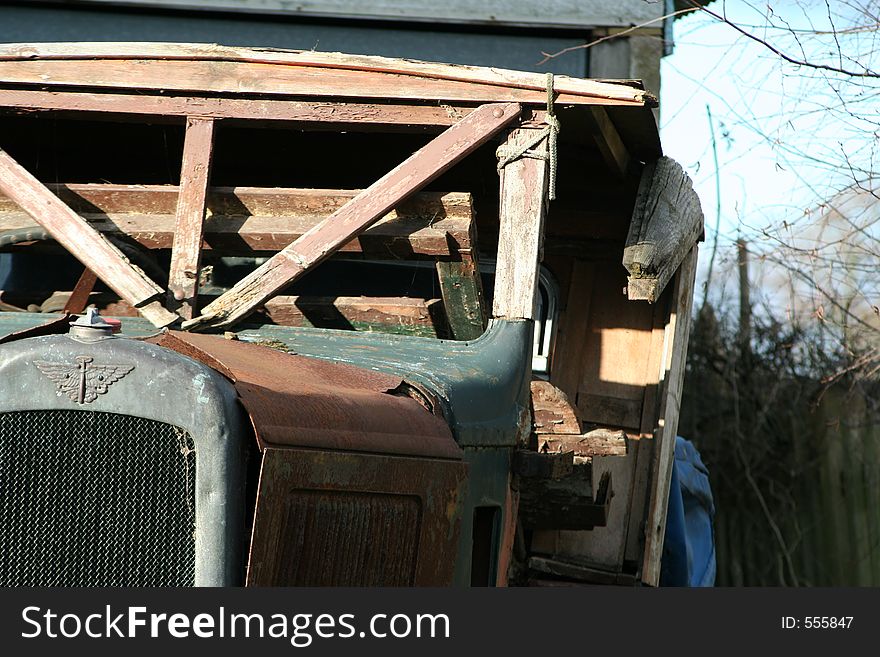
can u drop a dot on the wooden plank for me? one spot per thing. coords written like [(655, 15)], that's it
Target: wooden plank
[(361, 212), (337, 114), (566, 503), (616, 354), (422, 317), (462, 291), (573, 570), (523, 209), (598, 442), (91, 248), (79, 297), (567, 372), (545, 465), (247, 219), (609, 141), (224, 69), (635, 538), (667, 221), (675, 354), (186, 249)]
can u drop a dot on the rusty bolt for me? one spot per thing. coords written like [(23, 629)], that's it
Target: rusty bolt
[(179, 295), (497, 112)]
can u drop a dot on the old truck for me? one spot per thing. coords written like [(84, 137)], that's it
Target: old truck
[(302, 318)]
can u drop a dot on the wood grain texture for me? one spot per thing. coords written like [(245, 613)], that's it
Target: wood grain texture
[(462, 291), (523, 209), (247, 219), (361, 212), (224, 69), (186, 250), (402, 315), (336, 114), (675, 355), (667, 221), (91, 248), (566, 372), (552, 411), (609, 141)]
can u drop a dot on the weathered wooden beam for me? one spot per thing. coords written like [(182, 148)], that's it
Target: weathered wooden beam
[(91, 248), (462, 291), (224, 69), (598, 442), (552, 411), (247, 219), (523, 209), (529, 463), (402, 315), (674, 357), (608, 139), (338, 114), (667, 221), (566, 502), (361, 212), (186, 249), (79, 297)]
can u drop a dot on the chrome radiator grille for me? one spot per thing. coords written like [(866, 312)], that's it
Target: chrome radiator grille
[(95, 499)]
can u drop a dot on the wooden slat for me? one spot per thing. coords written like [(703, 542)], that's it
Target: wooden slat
[(385, 314), (462, 292), (635, 538), (79, 297), (675, 355), (523, 208), (337, 114), (305, 73), (186, 250), (269, 79), (246, 219), (361, 212), (90, 247), (571, 339), (610, 144)]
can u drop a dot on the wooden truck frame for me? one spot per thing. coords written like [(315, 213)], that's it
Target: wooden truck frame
[(480, 386)]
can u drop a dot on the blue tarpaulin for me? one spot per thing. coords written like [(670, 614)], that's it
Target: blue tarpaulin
[(689, 548)]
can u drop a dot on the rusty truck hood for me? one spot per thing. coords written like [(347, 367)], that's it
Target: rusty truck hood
[(305, 402)]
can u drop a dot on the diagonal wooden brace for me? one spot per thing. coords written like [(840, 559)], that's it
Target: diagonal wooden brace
[(357, 215), (85, 243)]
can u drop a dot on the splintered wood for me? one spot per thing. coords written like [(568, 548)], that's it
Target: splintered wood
[(365, 209), (85, 243), (667, 221)]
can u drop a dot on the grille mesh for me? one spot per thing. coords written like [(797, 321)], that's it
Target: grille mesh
[(95, 499)]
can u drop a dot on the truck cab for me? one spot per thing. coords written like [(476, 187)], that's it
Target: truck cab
[(289, 318)]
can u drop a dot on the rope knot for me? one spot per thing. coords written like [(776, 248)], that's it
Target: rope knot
[(507, 154)]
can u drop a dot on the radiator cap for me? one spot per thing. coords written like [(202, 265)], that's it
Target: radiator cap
[(92, 326)]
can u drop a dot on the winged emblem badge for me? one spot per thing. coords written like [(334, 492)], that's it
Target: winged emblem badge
[(83, 381)]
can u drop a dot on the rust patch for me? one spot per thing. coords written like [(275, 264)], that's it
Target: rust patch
[(298, 401)]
